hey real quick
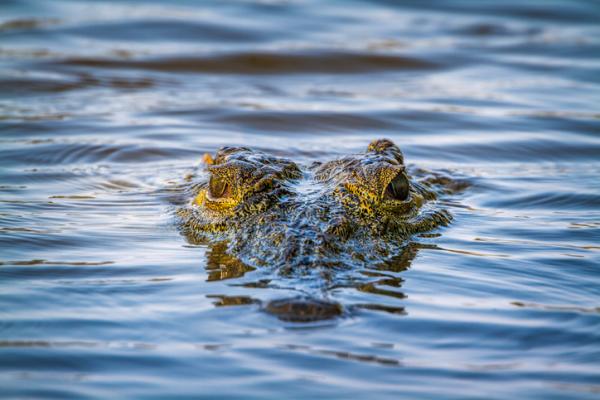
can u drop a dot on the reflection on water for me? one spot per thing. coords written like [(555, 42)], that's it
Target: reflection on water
[(106, 108), (221, 265), (381, 280)]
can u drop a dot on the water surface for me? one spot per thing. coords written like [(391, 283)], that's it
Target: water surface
[(106, 106)]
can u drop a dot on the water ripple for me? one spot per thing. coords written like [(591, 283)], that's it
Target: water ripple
[(265, 63)]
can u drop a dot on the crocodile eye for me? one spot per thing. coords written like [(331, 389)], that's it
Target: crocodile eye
[(397, 189), (218, 188)]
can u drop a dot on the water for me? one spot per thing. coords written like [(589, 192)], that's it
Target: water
[(106, 106)]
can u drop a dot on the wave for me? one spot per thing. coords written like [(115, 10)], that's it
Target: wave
[(264, 63)]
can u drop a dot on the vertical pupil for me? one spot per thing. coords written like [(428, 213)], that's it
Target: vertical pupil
[(217, 187), (398, 188)]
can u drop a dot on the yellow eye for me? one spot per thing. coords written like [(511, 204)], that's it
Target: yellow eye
[(398, 188), (218, 188)]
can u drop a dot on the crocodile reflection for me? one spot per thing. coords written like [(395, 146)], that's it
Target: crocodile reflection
[(381, 279), (323, 223)]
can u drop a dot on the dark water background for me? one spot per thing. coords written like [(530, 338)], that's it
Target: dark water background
[(106, 106)]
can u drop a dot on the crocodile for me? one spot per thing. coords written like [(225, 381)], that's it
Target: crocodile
[(312, 222)]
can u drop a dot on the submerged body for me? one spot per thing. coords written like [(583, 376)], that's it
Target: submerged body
[(352, 211)]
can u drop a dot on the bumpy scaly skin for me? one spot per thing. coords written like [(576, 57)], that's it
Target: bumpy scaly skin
[(356, 209)]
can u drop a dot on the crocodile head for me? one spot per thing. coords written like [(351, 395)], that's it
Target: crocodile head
[(352, 211)]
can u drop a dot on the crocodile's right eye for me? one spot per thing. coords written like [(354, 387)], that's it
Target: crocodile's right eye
[(219, 188)]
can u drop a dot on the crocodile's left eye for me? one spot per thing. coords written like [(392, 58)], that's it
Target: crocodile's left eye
[(398, 188)]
